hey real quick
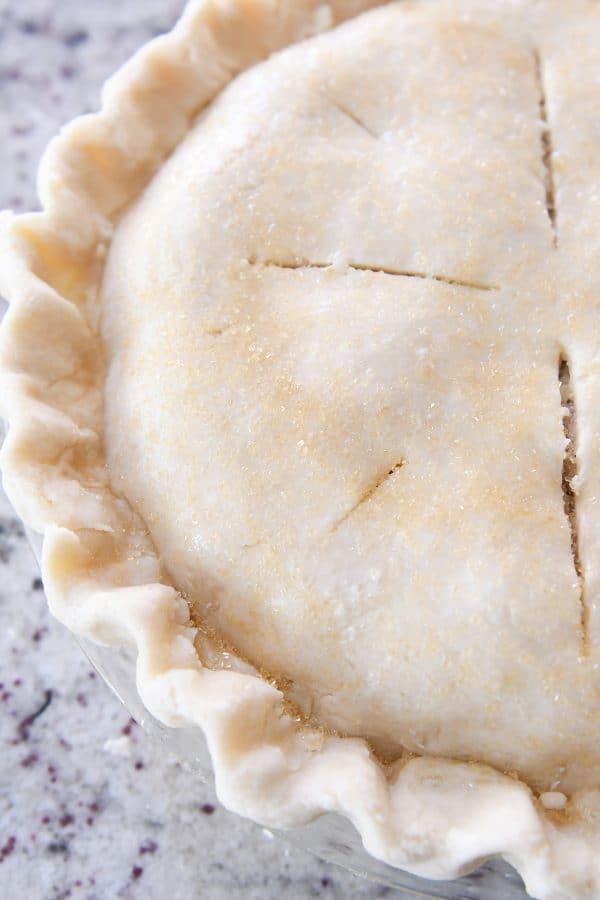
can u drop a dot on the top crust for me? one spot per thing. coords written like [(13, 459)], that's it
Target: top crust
[(523, 272)]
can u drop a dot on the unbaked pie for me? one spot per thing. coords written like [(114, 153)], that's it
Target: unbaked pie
[(303, 378)]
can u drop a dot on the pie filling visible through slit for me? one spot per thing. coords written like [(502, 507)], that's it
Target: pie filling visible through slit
[(352, 392)]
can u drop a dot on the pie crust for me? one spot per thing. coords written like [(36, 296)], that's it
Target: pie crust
[(482, 290)]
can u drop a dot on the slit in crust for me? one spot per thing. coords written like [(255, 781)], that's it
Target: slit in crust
[(569, 475), (364, 267), (356, 119), (368, 494), (547, 146)]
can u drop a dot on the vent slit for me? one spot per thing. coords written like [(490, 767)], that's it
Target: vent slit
[(368, 494), (356, 119), (362, 267), (547, 146), (569, 474)]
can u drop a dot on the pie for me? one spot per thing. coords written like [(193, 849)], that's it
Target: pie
[(302, 371)]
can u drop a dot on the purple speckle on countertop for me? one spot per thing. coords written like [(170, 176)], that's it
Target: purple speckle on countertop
[(127, 730), (7, 849), (39, 634), (29, 760), (148, 847), (76, 38), (26, 724)]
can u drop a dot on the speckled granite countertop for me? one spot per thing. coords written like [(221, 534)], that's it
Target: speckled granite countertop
[(89, 807)]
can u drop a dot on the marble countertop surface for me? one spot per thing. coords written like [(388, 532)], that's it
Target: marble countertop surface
[(89, 807)]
